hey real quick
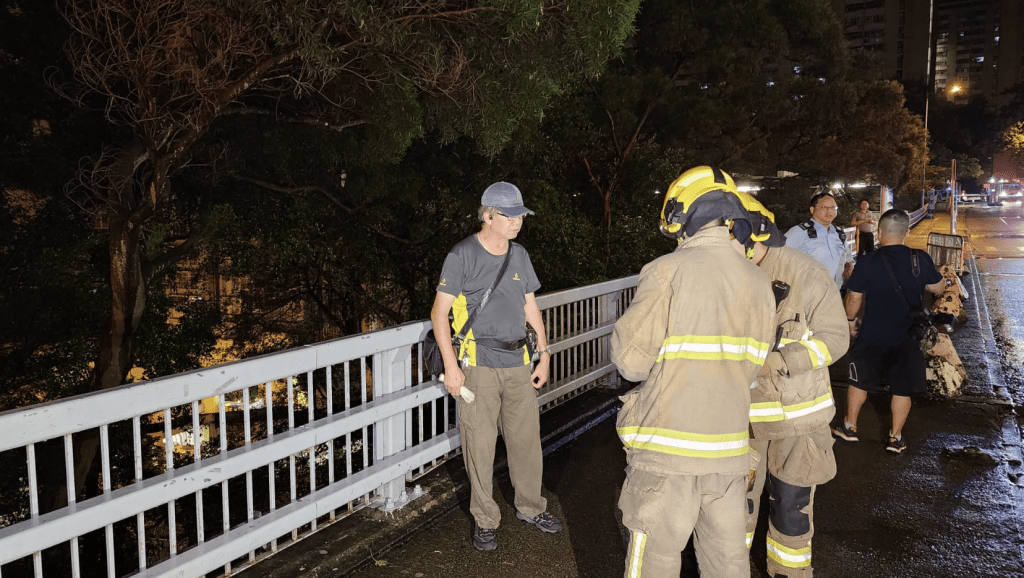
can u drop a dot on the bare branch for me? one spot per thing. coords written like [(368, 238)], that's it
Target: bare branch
[(313, 188)]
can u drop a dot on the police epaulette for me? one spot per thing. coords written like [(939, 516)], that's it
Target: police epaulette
[(812, 233), (808, 226)]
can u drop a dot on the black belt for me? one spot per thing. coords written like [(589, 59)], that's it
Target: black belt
[(505, 345)]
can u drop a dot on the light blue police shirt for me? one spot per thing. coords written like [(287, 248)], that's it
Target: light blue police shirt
[(826, 249)]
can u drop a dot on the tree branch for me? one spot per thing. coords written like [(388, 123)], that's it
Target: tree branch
[(310, 120), (313, 188)]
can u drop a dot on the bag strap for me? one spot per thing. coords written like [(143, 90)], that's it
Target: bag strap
[(899, 288), (487, 295)]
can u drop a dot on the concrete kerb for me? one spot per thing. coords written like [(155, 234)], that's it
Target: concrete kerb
[(993, 364)]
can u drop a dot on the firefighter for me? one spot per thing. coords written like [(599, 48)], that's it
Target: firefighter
[(696, 335), (791, 406)]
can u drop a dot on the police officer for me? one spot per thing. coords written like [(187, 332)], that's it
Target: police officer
[(822, 240)]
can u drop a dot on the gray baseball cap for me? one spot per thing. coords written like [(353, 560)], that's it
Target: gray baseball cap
[(506, 198)]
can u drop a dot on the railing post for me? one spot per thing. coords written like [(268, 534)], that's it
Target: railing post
[(608, 310), (391, 374)]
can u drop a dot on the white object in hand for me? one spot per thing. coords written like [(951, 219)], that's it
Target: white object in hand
[(467, 395)]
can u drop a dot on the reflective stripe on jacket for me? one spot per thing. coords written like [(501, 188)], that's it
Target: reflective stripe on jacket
[(795, 397), (696, 334)]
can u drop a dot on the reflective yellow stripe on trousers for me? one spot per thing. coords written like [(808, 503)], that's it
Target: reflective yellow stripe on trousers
[(714, 348), (766, 411), (679, 443), (637, 541), (789, 557)]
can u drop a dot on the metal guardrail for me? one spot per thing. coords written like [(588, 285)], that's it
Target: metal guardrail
[(918, 216), (298, 439)]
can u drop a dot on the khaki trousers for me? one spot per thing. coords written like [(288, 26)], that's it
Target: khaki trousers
[(792, 468), (661, 512), (505, 399)]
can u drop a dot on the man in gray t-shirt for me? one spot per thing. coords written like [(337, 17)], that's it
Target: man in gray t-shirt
[(493, 362)]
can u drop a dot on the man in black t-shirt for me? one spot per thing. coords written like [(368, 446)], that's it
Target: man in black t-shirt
[(893, 279)]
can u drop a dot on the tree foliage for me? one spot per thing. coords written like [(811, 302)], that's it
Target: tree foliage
[(712, 81), (169, 69)]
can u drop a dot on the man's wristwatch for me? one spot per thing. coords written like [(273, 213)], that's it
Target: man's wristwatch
[(543, 351)]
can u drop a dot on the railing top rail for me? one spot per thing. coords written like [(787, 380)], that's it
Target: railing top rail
[(548, 300), (56, 418)]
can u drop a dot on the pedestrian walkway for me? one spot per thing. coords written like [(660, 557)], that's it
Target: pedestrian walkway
[(948, 506)]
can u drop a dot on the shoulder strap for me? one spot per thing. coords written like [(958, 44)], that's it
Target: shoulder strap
[(808, 226), (841, 233), (487, 294), (915, 265), (899, 288)]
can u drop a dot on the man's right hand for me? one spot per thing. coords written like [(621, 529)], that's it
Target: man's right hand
[(453, 379)]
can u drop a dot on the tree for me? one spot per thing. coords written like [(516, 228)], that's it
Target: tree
[(169, 69), (1012, 140), (712, 81), (878, 140)]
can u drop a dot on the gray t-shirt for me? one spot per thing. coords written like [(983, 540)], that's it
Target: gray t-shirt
[(469, 270)]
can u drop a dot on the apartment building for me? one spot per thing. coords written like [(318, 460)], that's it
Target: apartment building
[(979, 49), (961, 49), (895, 31)]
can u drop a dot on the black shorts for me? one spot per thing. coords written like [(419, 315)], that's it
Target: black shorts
[(901, 367)]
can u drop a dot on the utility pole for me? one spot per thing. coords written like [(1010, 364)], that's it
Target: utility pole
[(924, 168), (954, 198), (927, 95)]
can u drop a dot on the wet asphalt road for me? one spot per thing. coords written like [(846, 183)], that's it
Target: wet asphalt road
[(952, 505)]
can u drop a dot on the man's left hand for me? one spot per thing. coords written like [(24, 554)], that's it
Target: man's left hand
[(540, 373), (847, 271)]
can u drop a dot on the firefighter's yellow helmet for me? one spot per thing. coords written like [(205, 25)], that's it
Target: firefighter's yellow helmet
[(704, 194)]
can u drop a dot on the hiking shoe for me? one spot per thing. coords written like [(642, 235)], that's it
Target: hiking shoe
[(894, 445), (847, 433), (484, 539), (544, 521)]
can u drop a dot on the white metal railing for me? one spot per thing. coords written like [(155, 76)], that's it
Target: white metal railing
[(298, 439)]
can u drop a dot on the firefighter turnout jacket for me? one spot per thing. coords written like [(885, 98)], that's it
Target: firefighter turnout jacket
[(795, 397), (696, 334)]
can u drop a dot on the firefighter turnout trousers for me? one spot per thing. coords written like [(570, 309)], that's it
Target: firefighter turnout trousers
[(791, 468), (661, 511)]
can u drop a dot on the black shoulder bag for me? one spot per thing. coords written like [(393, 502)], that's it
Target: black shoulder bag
[(432, 353)]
